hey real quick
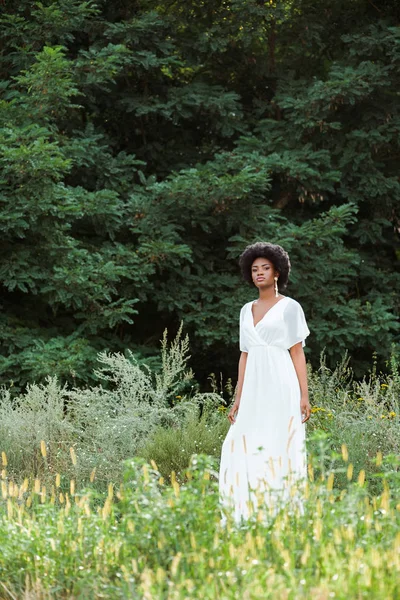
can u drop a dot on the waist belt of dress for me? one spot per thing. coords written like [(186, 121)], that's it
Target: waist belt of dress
[(266, 346)]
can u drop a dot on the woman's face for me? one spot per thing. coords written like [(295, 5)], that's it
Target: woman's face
[(263, 273)]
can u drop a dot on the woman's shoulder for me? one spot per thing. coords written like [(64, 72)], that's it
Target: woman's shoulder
[(246, 305), (290, 300), (292, 305)]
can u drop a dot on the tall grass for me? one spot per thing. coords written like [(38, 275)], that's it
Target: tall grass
[(364, 415), (200, 432), (160, 416), (79, 520), (150, 540)]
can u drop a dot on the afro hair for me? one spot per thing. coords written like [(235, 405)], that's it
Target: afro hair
[(273, 252)]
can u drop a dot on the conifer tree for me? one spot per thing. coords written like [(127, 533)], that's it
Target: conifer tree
[(143, 145)]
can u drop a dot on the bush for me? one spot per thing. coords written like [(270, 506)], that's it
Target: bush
[(363, 415), (160, 416), (171, 448), (102, 426)]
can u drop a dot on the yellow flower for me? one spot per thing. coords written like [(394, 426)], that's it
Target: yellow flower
[(383, 417), (316, 409), (369, 417), (384, 385), (330, 415), (179, 397), (392, 414), (360, 399)]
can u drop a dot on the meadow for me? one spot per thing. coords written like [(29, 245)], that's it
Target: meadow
[(112, 491)]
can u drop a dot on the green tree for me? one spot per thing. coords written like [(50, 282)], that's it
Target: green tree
[(143, 145)]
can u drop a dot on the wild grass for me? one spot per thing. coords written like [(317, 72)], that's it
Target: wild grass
[(161, 416), (364, 415), (201, 432), (79, 520), (150, 540), (104, 424)]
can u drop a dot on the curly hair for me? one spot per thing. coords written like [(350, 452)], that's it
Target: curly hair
[(273, 252)]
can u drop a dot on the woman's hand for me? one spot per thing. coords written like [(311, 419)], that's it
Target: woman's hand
[(305, 409), (232, 413)]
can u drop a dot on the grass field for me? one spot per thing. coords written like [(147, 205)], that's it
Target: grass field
[(148, 539), (78, 520)]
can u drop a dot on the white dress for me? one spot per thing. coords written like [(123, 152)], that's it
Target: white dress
[(264, 450)]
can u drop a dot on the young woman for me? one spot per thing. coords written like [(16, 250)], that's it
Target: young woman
[(264, 450)]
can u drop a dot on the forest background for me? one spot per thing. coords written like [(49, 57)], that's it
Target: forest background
[(144, 144)]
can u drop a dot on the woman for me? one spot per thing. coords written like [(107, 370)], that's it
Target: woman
[(264, 450)]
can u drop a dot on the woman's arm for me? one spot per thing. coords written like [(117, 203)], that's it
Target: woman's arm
[(299, 361), (242, 368)]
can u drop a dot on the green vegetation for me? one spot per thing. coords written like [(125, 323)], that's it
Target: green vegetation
[(148, 540), (161, 416), (79, 520), (144, 144)]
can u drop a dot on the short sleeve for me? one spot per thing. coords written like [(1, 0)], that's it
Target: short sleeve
[(296, 325), (242, 334)]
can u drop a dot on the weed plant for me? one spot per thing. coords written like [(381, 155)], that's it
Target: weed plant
[(103, 425), (364, 415), (135, 411), (78, 520), (201, 432)]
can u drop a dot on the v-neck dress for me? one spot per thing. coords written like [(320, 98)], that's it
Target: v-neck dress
[(264, 450)]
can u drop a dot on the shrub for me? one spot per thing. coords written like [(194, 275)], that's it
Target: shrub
[(171, 448), (160, 416), (364, 415), (105, 424)]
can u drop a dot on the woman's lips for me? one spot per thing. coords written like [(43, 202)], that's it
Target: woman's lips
[(260, 279)]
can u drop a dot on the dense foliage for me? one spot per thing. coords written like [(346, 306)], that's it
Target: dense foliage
[(161, 416), (143, 144)]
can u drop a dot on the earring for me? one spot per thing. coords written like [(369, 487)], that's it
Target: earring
[(276, 287)]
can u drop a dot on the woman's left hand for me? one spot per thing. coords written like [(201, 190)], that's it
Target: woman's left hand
[(305, 409)]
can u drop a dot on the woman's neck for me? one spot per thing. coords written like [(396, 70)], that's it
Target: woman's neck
[(267, 296)]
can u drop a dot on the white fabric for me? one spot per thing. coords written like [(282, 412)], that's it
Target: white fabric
[(264, 450)]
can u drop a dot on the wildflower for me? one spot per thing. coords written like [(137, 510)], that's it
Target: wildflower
[(383, 416), (360, 399), (384, 385), (178, 397), (392, 414), (73, 456), (43, 448), (318, 409)]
